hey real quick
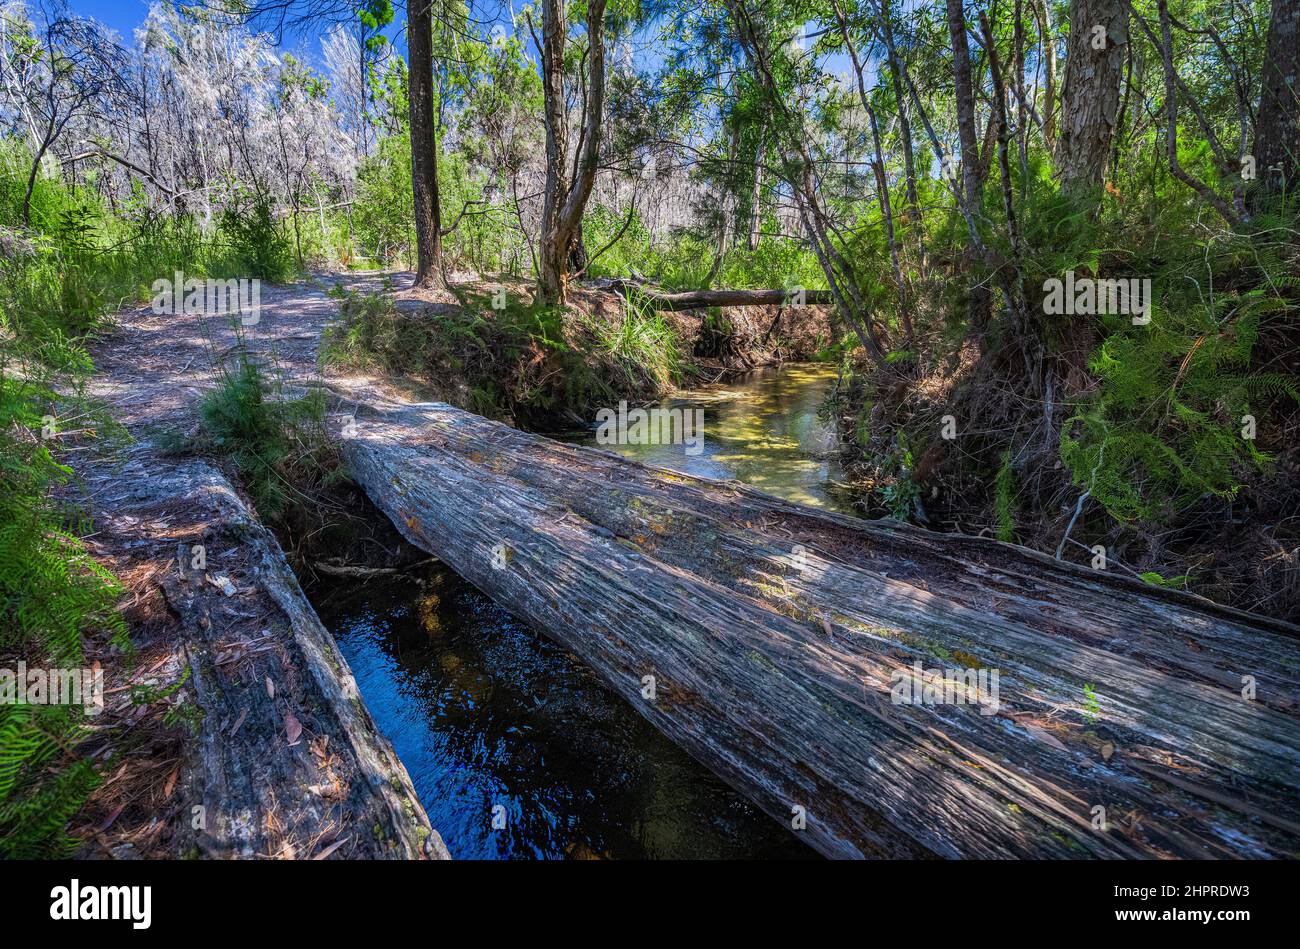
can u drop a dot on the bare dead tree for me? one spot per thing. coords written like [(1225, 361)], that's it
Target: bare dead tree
[(70, 70)]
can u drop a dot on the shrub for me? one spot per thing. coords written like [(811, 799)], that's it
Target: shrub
[(259, 243)]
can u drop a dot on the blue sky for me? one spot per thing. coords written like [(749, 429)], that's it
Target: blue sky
[(125, 15), (122, 15)]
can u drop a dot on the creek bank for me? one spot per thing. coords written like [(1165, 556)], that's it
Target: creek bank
[(930, 446), (498, 354)]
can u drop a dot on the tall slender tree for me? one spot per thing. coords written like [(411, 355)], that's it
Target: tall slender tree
[(965, 102), (565, 196), (424, 146), (1094, 71)]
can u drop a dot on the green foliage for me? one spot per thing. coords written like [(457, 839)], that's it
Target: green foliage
[(601, 224), (278, 444), (261, 247), (383, 218), (1002, 501), (1177, 583), (899, 494), (80, 261), (644, 343), (684, 263), (52, 593), (1165, 426), (42, 784), (1091, 704)]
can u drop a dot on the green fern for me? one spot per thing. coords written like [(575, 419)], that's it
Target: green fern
[(1002, 500), (51, 594)]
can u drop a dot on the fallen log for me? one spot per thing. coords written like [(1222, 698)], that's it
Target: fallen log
[(701, 299), (285, 759), (772, 640)]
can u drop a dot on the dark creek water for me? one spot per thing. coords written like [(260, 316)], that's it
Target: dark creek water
[(514, 746)]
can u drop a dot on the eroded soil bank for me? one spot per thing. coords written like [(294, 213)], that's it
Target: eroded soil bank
[(498, 354)]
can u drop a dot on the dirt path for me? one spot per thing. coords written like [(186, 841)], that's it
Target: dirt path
[(153, 368), (265, 749)]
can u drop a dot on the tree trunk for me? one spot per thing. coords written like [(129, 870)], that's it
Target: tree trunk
[(1047, 47), (904, 122), (424, 147), (578, 258), (979, 303), (728, 206), (1277, 130), (965, 101), (1094, 73), (31, 184), (773, 641), (756, 196), (564, 201)]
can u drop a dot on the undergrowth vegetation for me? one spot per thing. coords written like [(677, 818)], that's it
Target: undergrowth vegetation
[(276, 442), (1159, 442), (532, 364), (52, 594), (77, 261)]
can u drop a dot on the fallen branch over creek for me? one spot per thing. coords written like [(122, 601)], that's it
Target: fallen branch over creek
[(701, 299), (773, 633)]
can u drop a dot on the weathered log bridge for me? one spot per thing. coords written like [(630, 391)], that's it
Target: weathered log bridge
[(773, 631)]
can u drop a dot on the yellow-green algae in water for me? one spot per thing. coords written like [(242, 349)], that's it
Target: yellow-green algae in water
[(766, 430)]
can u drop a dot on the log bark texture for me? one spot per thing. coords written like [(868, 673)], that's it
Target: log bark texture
[(772, 631), (286, 761)]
